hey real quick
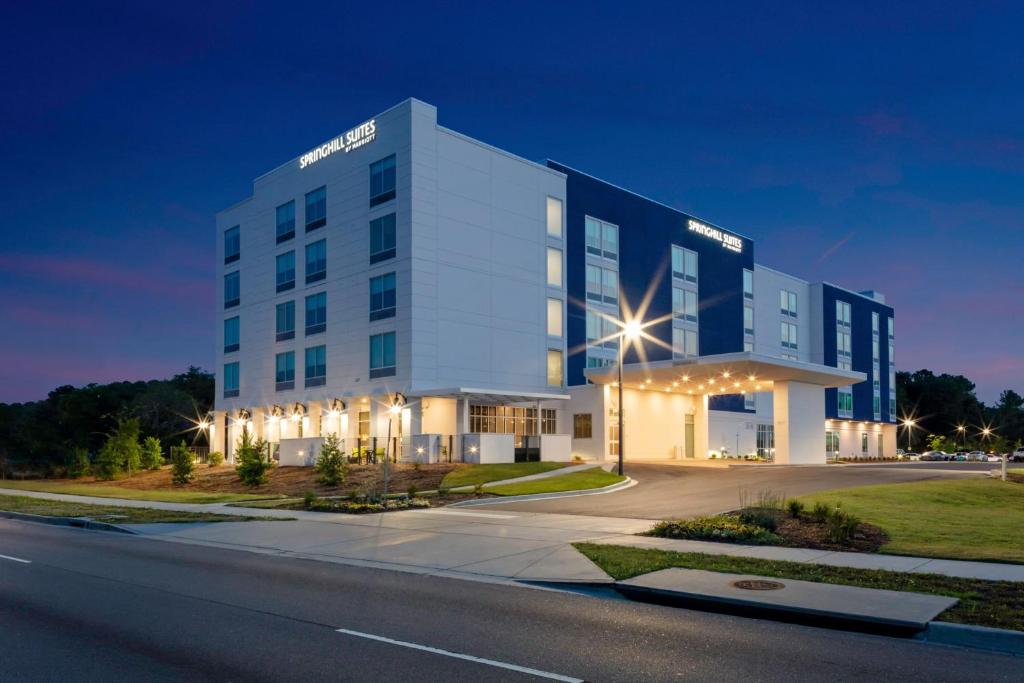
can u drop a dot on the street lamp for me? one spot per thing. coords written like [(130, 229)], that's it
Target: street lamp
[(963, 433), (630, 332), (908, 425), (394, 409)]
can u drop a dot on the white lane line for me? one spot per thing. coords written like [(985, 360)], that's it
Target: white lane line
[(468, 514), (15, 559), (468, 658)]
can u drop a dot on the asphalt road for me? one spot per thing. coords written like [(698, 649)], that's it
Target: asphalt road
[(95, 606), (667, 491)]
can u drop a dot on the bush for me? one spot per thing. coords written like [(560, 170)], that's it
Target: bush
[(309, 499), (152, 454), (765, 499), (478, 489), (442, 490), (121, 451), (364, 506), (820, 512), (183, 464), (78, 463), (762, 518), (215, 458), (840, 526), (716, 528), (411, 491), (252, 467), (794, 507), (108, 461), (331, 464)]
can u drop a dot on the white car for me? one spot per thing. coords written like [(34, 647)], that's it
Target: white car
[(977, 456), (993, 458)]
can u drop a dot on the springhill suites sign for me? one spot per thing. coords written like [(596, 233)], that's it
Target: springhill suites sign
[(731, 242), (346, 142)]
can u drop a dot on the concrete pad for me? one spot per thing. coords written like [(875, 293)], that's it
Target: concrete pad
[(565, 564), (521, 532), (892, 563), (849, 606), (507, 565), (974, 570), (774, 552)]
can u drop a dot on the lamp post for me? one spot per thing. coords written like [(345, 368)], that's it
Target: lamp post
[(394, 409), (963, 434), (630, 332), (908, 425)]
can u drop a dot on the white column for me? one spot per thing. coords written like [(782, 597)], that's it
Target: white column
[(799, 423), (701, 427)]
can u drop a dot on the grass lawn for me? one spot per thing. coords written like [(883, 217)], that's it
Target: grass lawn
[(111, 513), (471, 475), (574, 481), (998, 604), (967, 519), (102, 491)]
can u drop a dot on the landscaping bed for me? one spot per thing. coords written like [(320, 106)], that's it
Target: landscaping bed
[(112, 513)]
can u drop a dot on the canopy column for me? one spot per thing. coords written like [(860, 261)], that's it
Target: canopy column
[(799, 423)]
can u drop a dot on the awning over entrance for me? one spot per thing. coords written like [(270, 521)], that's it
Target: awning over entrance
[(727, 373), (490, 397)]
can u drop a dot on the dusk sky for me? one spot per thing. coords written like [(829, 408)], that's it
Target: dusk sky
[(875, 147)]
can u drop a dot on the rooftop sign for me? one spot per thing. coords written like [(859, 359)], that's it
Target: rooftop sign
[(731, 242), (346, 142)]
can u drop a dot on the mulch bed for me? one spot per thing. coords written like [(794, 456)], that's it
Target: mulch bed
[(806, 533)]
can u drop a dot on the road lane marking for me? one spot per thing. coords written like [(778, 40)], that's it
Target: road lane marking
[(15, 559), (468, 658)]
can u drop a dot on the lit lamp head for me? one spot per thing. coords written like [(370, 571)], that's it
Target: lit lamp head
[(632, 330)]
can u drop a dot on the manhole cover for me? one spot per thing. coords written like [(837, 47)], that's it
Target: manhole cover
[(758, 585)]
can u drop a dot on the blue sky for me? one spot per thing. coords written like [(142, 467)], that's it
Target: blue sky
[(874, 146)]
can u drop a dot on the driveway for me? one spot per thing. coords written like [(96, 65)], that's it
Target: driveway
[(665, 491)]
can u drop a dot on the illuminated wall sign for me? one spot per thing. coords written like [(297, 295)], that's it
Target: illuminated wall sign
[(353, 139), (731, 242)]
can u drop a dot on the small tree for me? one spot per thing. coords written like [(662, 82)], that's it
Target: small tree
[(252, 467), (941, 443), (152, 454), (127, 436), (331, 465), (108, 461), (78, 463), (182, 465), (215, 458)]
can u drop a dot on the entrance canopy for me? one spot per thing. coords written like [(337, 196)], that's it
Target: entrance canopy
[(490, 397), (726, 373)]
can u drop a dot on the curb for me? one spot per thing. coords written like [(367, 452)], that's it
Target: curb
[(498, 500), (77, 522), (974, 637)]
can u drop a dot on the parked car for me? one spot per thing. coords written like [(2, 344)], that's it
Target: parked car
[(977, 456), (960, 456), (1018, 455), (993, 458), (933, 456), (909, 455)]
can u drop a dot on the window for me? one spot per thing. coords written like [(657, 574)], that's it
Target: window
[(749, 400), (748, 320), (316, 209), (684, 342), (285, 222), (232, 244), (876, 406), (602, 238), (230, 380), (284, 374), (842, 314), (602, 285), (554, 317), (382, 238), (382, 355), (788, 333), (684, 304), (511, 420), (748, 284), (316, 261), (844, 352), (382, 297), (684, 264), (554, 267), (613, 433), (874, 323), (231, 335), (548, 420), (892, 408), (285, 321), (232, 289), (748, 346), (600, 327), (593, 362), (845, 402), (864, 443), (582, 426), (316, 366), (892, 329), (832, 444), (555, 372), (364, 426), (766, 441), (285, 271), (554, 214), (316, 313), (382, 180), (874, 350), (787, 303)]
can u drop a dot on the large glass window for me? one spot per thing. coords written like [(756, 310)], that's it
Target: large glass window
[(684, 304), (285, 222), (285, 271), (316, 208), (285, 321), (602, 238), (555, 373), (316, 313), (382, 355), (582, 426), (684, 342), (748, 284), (602, 284), (284, 374), (684, 264), (489, 419), (231, 335), (382, 238), (232, 244), (554, 216), (554, 267), (316, 261), (842, 313), (232, 290), (788, 333), (382, 296), (766, 441), (316, 366), (382, 180), (231, 380), (787, 303), (748, 320), (554, 317)]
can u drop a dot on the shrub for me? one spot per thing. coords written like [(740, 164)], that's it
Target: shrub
[(765, 499), (794, 507), (716, 528), (252, 467), (152, 455), (183, 464), (762, 518), (442, 490), (78, 463), (478, 489), (121, 450), (411, 491), (108, 461), (331, 464), (416, 466), (840, 526), (820, 512), (309, 499), (215, 458)]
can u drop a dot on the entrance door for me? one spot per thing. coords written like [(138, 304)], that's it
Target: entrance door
[(688, 436), (881, 447), (528, 449)]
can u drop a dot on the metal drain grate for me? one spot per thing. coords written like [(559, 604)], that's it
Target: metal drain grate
[(758, 585)]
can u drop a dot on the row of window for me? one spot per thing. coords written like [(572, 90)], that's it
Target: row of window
[(489, 419), (382, 364), (316, 266)]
